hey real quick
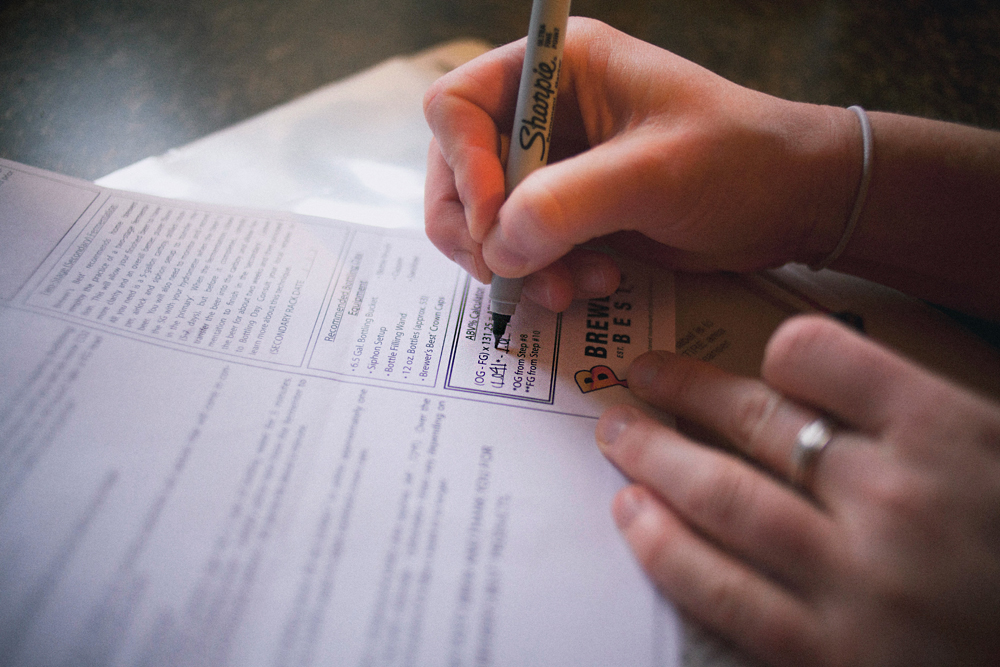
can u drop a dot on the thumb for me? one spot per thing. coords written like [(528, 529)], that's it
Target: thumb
[(603, 190)]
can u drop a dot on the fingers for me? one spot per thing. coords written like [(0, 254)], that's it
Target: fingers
[(581, 274), (749, 414), (713, 587), (465, 188), (464, 109), (444, 218), (558, 207), (603, 190), (893, 414), (595, 274), (822, 363), (813, 367), (747, 512)]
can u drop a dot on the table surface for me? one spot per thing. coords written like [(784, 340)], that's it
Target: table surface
[(88, 87)]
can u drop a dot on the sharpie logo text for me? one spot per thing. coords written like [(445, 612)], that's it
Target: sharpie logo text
[(536, 128)]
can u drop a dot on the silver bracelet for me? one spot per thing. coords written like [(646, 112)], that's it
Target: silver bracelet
[(859, 201)]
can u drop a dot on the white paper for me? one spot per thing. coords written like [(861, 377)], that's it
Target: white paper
[(237, 437)]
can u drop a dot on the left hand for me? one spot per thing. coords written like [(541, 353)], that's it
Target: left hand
[(888, 554)]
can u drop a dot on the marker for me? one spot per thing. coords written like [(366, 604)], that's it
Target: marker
[(529, 140)]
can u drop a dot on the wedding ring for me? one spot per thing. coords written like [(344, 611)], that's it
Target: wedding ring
[(810, 441)]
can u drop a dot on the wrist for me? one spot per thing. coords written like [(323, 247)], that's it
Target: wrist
[(835, 171), (861, 193)]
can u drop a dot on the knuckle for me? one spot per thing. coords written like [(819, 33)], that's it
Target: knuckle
[(539, 216), (727, 597), (753, 412), (903, 509), (442, 226), (675, 382), (904, 496), (797, 338), (722, 498), (633, 448), (432, 99), (887, 585), (817, 639), (655, 554)]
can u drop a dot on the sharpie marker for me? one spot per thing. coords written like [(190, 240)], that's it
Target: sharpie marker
[(529, 140)]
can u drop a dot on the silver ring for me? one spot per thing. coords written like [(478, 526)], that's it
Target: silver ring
[(810, 441)]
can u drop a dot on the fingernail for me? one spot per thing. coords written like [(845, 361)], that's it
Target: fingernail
[(643, 371), (598, 281), (503, 256), (465, 260), (626, 506), (501, 253), (612, 423)]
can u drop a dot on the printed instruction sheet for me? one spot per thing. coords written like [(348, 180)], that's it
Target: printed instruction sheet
[(236, 437)]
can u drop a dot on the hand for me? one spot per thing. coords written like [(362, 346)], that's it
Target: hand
[(891, 553), (653, 155)]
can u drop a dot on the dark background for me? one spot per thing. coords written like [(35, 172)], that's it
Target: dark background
[(89, 87)]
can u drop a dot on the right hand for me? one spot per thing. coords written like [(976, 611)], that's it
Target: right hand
[(652, 154)]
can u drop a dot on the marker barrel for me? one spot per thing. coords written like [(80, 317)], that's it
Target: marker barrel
[(536, 105)]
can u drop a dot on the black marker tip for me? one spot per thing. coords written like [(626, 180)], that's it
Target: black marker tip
[(499, 328)]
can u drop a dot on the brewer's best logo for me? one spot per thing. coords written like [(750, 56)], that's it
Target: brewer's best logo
[(598, 377)]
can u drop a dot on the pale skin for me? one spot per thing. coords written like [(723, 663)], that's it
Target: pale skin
[(890, 551)]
